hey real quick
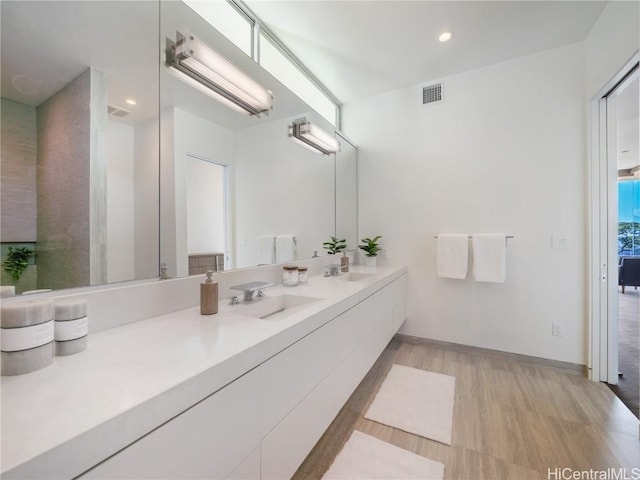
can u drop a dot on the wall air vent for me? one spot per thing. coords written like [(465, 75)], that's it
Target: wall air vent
[(432, 94), (118, 111)]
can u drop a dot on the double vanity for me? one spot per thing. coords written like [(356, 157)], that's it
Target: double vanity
[(162, 391), (245, 393)]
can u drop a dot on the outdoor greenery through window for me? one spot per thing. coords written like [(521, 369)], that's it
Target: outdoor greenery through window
[(628, 218)]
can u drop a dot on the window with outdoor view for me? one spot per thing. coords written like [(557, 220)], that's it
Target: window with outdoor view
[(628, 218)]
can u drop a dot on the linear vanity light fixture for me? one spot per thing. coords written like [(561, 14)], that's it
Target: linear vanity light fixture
[(206, 70), (312, 137)]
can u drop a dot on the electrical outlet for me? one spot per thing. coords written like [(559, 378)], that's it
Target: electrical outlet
[(556, 329)]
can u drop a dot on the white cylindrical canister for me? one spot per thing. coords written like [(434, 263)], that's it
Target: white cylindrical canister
[(71, 327), (26, 340)]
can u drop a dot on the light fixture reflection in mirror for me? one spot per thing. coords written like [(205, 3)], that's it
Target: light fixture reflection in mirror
[(208, 71), (312, 137), (252, 151)]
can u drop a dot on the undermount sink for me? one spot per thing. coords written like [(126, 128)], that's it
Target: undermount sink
[(273, 307), (355, 276)]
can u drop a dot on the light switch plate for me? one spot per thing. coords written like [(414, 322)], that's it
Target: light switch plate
[(559, 243), (556, 329)]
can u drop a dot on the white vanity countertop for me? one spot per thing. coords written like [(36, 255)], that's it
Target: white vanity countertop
[(75, 413)]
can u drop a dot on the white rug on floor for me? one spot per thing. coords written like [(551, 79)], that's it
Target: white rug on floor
[(416, 401), (366, 457)]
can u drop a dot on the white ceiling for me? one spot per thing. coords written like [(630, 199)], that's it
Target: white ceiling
[(46, 44), (356, 48), (362, 48)]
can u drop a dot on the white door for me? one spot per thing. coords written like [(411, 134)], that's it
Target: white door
[(206, 207)]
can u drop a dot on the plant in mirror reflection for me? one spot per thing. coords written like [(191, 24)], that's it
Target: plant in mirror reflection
[(335, 246), (17, 261)]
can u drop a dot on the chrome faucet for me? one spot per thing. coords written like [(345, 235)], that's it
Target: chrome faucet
[(163, 271), (332, 270), (249, 288)]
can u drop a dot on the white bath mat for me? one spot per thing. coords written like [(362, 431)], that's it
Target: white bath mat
[(417, 402), (366, 457)]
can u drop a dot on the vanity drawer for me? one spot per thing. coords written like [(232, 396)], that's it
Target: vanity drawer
[(287, 445), (209, 440), (289, 376), (345, 348)]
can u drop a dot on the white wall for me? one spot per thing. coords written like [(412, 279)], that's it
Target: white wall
[(282, 189), (503, 153), (263, 163), (346, 167), (613, 40), (120, 230)]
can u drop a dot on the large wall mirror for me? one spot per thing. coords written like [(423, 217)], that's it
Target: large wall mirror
[(112, 166), (260, 184), (79, 174)]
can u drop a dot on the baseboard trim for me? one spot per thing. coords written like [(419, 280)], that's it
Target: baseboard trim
[(573, 368)]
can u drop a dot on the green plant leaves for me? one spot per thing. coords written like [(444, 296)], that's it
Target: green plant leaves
[(334, 246), (17, 261), (370, 246)]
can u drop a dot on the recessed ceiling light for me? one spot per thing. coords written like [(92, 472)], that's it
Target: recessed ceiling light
[(445, 37), (131, 101)]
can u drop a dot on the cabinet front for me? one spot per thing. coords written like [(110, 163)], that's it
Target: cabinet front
[(210, 440), (265, 423)]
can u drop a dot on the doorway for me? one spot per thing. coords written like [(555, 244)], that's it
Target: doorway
[(628, 227), (614, 133), (207, 232)]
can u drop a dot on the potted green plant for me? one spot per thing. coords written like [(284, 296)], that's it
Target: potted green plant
[(334, 245), (371, 248), (17, 261)]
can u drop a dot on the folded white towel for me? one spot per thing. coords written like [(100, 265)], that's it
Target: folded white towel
[(489, 257), (453, 255), (285, 248), (266, 249)]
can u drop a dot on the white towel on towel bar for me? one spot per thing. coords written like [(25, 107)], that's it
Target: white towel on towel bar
[(453, 255), (285, 248), (489, 257), (266, 247)]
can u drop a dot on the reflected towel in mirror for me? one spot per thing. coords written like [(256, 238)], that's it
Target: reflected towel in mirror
[(285, 248), (266, 249)]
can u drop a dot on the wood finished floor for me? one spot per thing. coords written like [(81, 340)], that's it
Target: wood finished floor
[(514, 417), (628, 388)]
